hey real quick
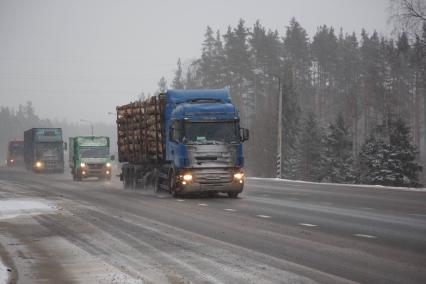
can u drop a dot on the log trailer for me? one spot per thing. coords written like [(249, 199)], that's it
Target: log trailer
[(187, 141)]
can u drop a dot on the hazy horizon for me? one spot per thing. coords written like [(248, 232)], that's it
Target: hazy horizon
[(79, 59)]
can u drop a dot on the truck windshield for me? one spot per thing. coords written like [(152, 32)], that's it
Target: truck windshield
[(48, 151), (16, 150), (94, 152), (211, 132)]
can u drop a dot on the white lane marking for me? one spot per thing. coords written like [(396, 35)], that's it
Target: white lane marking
[(365, 236), (418, 215), (202, 204), (366, 208), (180, 200), (263, 216), (230, 210), (308, 225)]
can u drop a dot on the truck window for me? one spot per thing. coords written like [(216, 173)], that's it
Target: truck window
[(204, 132), (94, 152), (177, 132)]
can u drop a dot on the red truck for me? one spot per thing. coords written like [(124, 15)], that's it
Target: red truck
[(15, 153)]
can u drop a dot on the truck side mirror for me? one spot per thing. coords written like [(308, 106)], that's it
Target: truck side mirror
[(65, 146), (112, 157), (244, 133)]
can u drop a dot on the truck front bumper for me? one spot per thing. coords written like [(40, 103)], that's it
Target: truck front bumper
[(217, 187), (87, 172), (210, 180)]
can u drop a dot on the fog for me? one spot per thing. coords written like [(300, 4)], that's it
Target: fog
[(79, 59)]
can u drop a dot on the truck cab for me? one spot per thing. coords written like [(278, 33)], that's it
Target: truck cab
[(15, 153), (204, 142), (44, 150), (89, 156)]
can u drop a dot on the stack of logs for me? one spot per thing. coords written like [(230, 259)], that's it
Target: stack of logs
[(140, 131)]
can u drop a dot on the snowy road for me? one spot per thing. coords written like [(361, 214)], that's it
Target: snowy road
[(277, 232)]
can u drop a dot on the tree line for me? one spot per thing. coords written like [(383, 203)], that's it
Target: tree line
[(354, 106), (13, 123)]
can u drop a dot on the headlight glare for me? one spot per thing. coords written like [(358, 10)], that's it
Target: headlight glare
[(238, 176), (187, 177), (39, 164), (108, 165), (82, 165)]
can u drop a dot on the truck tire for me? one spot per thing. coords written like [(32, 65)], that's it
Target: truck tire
[(126, 180), (171, 183), (233, 194), (156, 185)]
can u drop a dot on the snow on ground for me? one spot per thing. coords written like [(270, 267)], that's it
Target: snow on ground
[(339, 184), (10, 208), (3, 273)]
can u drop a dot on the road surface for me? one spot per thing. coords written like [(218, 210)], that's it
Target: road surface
[(275, 232)]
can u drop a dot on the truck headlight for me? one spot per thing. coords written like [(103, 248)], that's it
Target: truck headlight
[(39, 164), (83, 165), (187, 177), (238, 176), (108, 165)]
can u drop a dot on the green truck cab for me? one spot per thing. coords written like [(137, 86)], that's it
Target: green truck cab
[(89, 156)]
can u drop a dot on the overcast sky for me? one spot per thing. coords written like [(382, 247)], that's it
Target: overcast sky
[(78, 59)]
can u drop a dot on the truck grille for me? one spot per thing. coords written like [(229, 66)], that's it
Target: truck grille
[(213, 176), (52, 165), (95, 166)]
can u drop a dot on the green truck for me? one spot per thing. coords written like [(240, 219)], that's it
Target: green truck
[(89, 156)]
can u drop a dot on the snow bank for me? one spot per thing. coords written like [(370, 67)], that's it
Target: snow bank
[(4, 274), (11, 208), (339, 184)]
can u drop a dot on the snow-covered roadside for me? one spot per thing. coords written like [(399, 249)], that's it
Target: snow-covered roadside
[(10, 208), (4, 274), (339, 184)]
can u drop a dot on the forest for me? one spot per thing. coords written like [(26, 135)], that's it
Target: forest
[(353, 106)]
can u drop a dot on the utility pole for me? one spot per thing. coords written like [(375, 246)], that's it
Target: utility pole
[(279, 134), (91, 124)]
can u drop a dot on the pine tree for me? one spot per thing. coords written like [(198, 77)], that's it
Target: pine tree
[(403, 157), (297, 59), (291, 115), (324, 51), (338, 163), (177, 81), (162, 85), (390, 159), (207, 70), (310, 151)]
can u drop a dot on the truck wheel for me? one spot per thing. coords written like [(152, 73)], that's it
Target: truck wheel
[(156, 185), (126, 180), (134, 183), (233, 194), (171, 183)]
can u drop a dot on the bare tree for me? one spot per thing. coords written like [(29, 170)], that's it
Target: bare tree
[(408, 16)]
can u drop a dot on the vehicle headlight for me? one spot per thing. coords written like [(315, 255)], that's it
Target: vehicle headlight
[(238, 176), (108, 165), (39, 164), (11, 160), (82, 165), (187, 177)]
